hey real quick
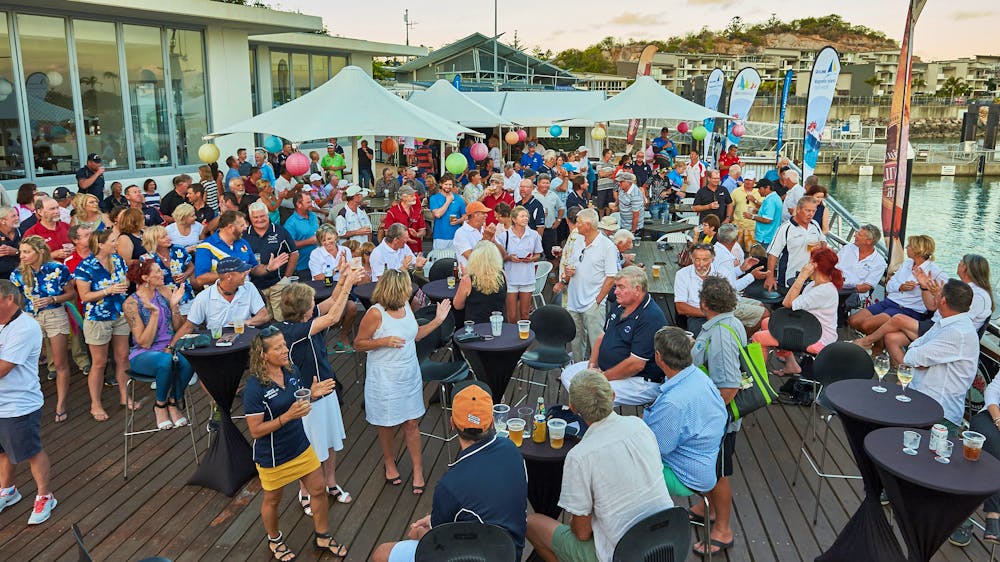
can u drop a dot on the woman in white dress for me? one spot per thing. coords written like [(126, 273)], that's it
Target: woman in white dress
[(394, 386)]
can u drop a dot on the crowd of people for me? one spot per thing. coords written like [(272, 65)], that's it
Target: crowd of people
[(112, 278)]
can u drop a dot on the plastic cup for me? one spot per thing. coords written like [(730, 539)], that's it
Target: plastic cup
[(523, 328), (972, 445), (557, 432), (239, 326), (216, 332), (911, 442), (656, 271), (451, 282), (500, 414), (503, 433), (944, 451), (469, 324), (496, 324), (515, 427), (303, 395)]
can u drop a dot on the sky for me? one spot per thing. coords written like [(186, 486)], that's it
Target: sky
[(946, 29)]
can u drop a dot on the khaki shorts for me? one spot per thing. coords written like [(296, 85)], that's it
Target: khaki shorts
[(53, 322), (749, 312), (272, 298), (568, 547), (99, 332)]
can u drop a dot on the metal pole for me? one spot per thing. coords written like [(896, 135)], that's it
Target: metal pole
[(496, 84)]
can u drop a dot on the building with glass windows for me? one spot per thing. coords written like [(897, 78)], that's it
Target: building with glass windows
[(141, 82)]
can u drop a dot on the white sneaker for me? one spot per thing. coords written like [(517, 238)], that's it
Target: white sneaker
[(43, 509), (7, 500)]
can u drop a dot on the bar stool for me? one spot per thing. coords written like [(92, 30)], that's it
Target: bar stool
[(130, 384)]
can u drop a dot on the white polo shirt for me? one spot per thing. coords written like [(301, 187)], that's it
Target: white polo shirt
[(594, 263), (20, 344), (530, 243), (348, 220), (912, 299), (552, 205), (791, 201), (687, 285), (320, 258), (858, 271), (211, 309), (727, 262), (512, 183), (384, 257), (796, 239), (466, 238)]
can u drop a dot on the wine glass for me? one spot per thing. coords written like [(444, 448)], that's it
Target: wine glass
[(881, 368), (904, 373)]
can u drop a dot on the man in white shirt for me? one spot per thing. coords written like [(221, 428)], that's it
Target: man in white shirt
[(512, 181), (472, 231), (790, 179), (796, 238), (945, 358), (631, 205), (352, 222), (687, 286), (612, 479), (696, 172), (730, 263), (588, 278), (229, 299), (861, 265), (393, 253)]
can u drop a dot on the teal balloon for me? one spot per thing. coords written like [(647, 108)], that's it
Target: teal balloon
[(272, 144), (456, 163), (699, 133), (555, 130)]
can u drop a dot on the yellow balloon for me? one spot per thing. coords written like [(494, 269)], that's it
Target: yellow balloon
[(208, 153), (598, 133)]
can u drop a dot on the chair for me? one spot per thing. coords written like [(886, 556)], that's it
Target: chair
[(465, 542), (660, 537), (441, 269), (542, 270), (435, 255), (442, 373), (83, 555), (554, 328), (133, 379), (838, 361), (376, 218)]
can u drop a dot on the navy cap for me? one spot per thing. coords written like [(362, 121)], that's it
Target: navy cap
[(231, 265)]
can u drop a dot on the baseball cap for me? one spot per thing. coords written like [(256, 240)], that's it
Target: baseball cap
[(750, 175), (476, 207), (94, 157), (532, 143), (61, 193), (625, 176), (608, 222), (497, 177), (472, 407), (582, 149), (315, 177), (231, 265), (356, 189)]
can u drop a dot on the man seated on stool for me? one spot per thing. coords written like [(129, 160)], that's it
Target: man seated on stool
[(624, 351), (488, 482), (394, 253), (688, 418), (687, 285)]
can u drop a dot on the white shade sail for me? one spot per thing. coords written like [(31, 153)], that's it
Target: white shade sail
[(444, 100), (350, 104), (540, 108), (647, 99)]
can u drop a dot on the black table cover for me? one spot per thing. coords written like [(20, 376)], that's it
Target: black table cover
[(545, 471), (493, 361), (363, 292), (438, 290), (228, 465), (323, 291), (929, 499), (867, 535)]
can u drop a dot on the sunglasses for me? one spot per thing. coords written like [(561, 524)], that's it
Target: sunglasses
[(269, 331)]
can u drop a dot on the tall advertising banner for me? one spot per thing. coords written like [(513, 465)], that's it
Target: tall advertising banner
[(822, 87), (785, 89), (894, 178), (741, 97), (713, 95), (644, 68)]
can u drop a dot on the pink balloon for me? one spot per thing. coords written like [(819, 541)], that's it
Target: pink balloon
[(297, 164), (649, 154), (682, 127), (479, 151), (739, 130), (522, 135)]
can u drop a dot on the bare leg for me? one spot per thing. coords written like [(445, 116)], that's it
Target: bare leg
[(858, 319), (874, 323), (525, 301), (119, 345), (95, 380), (40, 472), (269, 512), (381, 553), (6, 472), (721, 500), (541, 529), (385, 435), (512, 311), (60, 358), (411, 434), (897, 323), (320, 505), (894, 344)]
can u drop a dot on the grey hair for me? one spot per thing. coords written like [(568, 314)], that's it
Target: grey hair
[(543, 176), (397, 230), (257, 206), (508, 166), (405, 191), (635, 276), (873, 231), (673, 346), (736, 167), (784, 161), (5, 210), (588, 216), (728, 232), (792, 175), (621, 235), (591, 396), (40, 202), (806, 199), (811, 181), (233, 180), (8, 289)]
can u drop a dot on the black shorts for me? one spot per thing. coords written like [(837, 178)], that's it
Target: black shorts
[(923, 326), (20, 437), (724, 462), (548, 240), (605, 198)]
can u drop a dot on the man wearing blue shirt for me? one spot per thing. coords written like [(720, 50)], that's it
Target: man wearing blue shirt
[(532, 159), (663, 145), (234, 170), (768, 217), (487, 483), (266, 171), (536, 211), (688, 418), (449, 212), (302, 226), (228, 242)]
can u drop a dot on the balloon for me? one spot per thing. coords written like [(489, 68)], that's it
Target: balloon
[(699, 133), (649, 154), (598, 133), (297, 164), (555, 130), (389, 145), (682, 127), (55, 79), (739, 130), (456, 163), (479, 151), (208, 153), (511, 137), (272, 144), (522, 135)]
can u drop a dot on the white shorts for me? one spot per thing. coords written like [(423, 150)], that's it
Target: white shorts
[(521, 288), (443, 244), (633, 391), (404, 551)]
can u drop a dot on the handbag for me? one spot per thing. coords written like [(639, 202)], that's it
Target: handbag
[(755, 390), (684, 256), (193, 342)]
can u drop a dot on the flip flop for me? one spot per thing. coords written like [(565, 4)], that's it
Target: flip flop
[(99, 416), (698, 519), (712, 544), (61, 417)]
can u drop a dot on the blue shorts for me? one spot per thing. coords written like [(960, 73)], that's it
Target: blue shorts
[(887, 306), (20, 437)]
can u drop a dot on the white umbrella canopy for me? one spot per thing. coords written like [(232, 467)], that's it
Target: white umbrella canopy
[(444, 100), (647, 99), (350, 104)]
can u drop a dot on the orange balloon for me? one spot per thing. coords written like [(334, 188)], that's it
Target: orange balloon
[(511, 137), (389, 145)]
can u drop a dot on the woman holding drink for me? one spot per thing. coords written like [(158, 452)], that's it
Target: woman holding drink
[(175, 261), (520, 247), (484, 287)]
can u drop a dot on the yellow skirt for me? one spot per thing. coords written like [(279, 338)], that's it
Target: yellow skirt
[(284, 474)]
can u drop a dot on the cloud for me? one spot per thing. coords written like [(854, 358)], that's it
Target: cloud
[(633, 18), (721, 3), (960, 16)]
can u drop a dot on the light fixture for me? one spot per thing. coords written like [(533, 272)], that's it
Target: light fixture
[(55, 79)]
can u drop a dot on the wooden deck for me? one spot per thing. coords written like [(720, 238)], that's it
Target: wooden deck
[(154, 513)]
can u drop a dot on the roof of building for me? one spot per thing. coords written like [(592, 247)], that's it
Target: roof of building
[(476, 40), (347, 44)]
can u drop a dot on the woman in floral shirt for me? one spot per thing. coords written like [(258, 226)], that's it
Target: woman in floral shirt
[(101, 282), (46, 286), (176, 262)]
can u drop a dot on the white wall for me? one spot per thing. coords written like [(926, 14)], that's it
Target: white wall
[(229, 86)]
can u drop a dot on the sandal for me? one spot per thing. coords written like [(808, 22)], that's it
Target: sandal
[(61, 417), (331, 546), (992, 532), (178, 407), (279, 549), (165, 424), (341, 495), (304, 501), (696, 519), (341, 347), (99, 416), (396, 480), (418, 490), (715, 547)]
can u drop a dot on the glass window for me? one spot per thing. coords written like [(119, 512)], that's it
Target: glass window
[(253, 81), (320, 70), (300, 74), (11, 151), (187, 82), (281, 92), (337, 64), (49, 92), (147, 95), (101, 92)]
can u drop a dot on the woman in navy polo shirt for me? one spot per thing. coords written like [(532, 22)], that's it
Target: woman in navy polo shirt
[(281, 449)]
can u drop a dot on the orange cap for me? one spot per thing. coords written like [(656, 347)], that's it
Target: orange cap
[(476, 207), (472, 407)]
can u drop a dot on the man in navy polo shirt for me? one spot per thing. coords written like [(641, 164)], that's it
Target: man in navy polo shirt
[(624, 352), (270, 240), (532, 159), (488, 482), (228, 242), (536, 211)]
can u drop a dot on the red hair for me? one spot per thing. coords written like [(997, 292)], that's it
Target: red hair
[(140, 268), (826, 263)]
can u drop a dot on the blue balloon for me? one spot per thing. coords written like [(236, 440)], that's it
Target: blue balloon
[(555, 130), (272, 144)]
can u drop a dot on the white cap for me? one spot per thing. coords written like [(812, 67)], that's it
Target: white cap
[(749, 175), (342, 184), (315, 177), (583, 149), (356, 189), (307, 188)]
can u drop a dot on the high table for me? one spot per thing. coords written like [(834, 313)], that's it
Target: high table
[(438, 290), (363, 292), (867, 535), (323, 291), (929, 499), (228, 465), (649, 255), (377, 204), (545, 471), (660, 229), (493, 361)]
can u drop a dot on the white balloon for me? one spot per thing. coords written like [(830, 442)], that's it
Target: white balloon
[(55, 79)]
